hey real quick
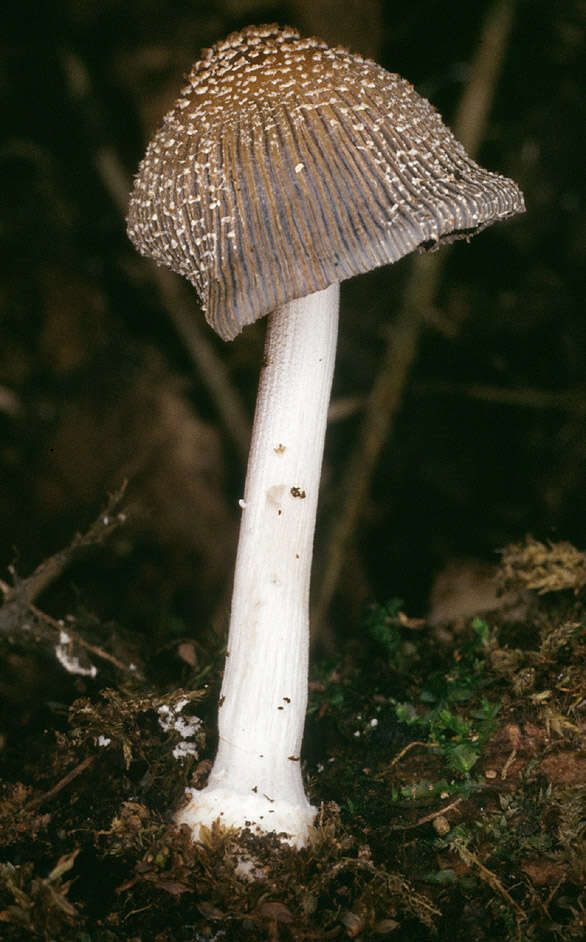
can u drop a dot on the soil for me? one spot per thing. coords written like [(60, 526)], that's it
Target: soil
[(446, 762)]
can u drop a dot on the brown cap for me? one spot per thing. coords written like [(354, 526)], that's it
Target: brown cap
[(286, 166)]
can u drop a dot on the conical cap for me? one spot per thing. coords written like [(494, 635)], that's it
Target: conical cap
[(286, 166)]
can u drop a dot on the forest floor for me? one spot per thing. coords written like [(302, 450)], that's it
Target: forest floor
[(448, 765)]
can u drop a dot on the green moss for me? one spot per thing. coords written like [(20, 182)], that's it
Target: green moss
[(449, 779)]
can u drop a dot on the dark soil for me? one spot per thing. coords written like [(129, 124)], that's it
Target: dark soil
[(447, 763)]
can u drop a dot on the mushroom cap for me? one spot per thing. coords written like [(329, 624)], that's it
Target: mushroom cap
[(286, 166)]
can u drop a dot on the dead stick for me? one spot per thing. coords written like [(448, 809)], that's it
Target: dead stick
[(48, 796), (489, 877), (179, 303), (427, 818), (77, 639), (19, 598), (411, 745), (25, 591), (387, 393), (570, 400)]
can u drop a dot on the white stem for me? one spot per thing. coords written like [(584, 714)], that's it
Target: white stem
[(256, 777)]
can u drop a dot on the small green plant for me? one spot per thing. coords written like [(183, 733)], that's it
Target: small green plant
[(385, 625), (459, 736)]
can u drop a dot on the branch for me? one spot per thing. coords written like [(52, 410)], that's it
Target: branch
[(567, 400), (177, 301), (471, 860), (387, 393), (182, 310), (428, 817), (24, 591), (73, 774), (20, 616)]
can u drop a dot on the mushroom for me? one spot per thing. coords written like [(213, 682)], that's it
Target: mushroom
[(284, 168)]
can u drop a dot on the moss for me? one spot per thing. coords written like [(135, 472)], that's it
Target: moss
[(543, 567), (449, 778)]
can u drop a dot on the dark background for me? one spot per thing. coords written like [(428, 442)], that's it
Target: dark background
[(96, 385)]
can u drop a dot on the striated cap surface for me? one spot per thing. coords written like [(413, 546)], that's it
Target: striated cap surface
[(286, 165)]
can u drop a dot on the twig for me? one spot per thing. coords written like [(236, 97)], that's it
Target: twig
[(571, 400), (553, 892), (178, 302), (407, 748), (59, 626), (427, 818), (476, 101), (25, 591), (381, 408), (48, 796), (488, 876), (387, 393), (19, 598), (180, 306), (505, 769)]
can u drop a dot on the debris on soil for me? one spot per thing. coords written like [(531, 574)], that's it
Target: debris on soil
[(542, 567), (450, 781)]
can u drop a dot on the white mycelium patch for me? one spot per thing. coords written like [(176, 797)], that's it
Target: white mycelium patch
[(170, 719), (70, 661)]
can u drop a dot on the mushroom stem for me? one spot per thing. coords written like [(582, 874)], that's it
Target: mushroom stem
[(256, 777)]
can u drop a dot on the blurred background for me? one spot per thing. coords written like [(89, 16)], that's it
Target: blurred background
[(108, 371)]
